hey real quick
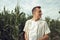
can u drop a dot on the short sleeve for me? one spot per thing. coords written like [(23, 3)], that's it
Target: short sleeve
[(26, 25), (47, 30)]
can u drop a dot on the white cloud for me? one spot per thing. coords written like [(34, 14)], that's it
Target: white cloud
[(48, 6)]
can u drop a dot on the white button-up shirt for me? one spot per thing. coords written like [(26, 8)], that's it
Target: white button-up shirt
[(36, 29)]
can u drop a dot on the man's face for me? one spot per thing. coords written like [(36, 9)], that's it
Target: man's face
[(37, 13)]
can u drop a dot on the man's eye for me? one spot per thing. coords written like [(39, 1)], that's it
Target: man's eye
[(39, 11)]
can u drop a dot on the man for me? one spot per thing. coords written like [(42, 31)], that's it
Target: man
[(35, 28)]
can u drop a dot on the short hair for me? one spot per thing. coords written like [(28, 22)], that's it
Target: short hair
[(35, 8)]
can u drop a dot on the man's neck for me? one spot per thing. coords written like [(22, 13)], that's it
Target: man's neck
[(35, 19)]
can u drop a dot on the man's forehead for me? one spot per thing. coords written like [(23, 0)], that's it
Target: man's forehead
[(38, 9)]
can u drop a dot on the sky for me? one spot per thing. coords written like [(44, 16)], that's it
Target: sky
[(49, 7)]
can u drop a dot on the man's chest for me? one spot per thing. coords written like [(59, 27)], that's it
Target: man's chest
[(34, 26)]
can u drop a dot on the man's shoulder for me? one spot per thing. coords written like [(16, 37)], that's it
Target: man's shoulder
[(28, 20), (42, 21)]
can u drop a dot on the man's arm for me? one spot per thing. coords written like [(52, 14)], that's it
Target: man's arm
[(26, 30), (46, 32), (25, 35), (45, 37)]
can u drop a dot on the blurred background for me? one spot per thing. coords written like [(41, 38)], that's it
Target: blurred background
[(14, 14)]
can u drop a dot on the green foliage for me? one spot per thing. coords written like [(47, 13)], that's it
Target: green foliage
[(54, 26), (12, 24)]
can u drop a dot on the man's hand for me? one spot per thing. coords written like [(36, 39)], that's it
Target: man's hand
[(45, 37)]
